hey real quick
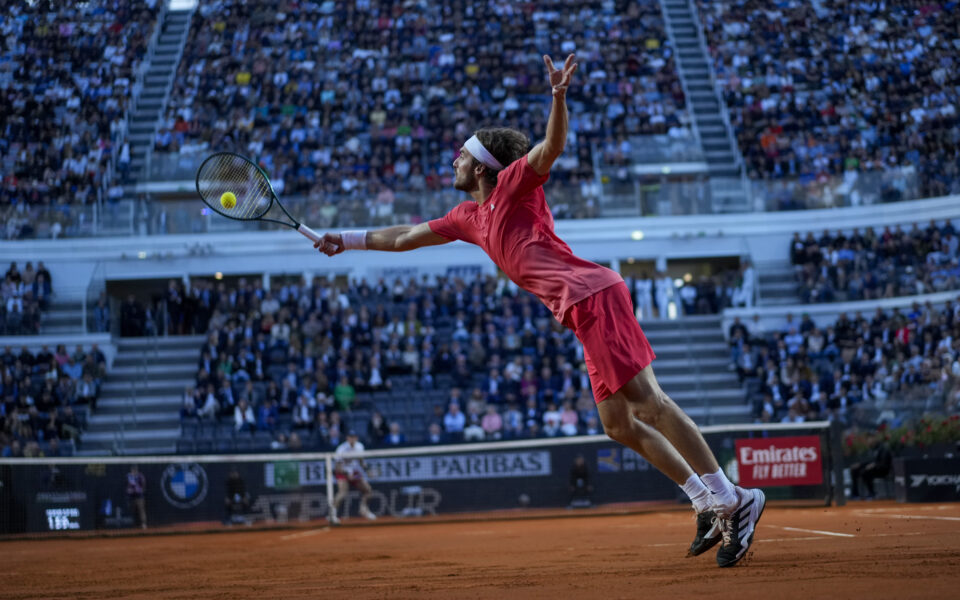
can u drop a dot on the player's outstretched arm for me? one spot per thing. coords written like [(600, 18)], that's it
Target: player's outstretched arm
[(398, 238), (543, 155)]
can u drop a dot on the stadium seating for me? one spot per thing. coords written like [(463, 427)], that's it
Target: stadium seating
[(24, 294), (65, 87), (819, 89), (320, 361), (46, 397), (876, 264), (864, 369), (377, 98)]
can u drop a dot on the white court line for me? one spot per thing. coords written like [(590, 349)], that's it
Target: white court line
[(834, 533), (791, 539), (889, 516), (798, 539), (301, 534)]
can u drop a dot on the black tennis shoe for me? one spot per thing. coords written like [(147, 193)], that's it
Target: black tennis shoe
[(738, 528), (708, 533)]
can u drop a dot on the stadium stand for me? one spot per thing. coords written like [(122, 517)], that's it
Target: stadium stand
[(319, 361), (46, 397), (65, 83), (841, 89), (885, 367), (876, 264), (375, 99), (24, 294), (297, 355)]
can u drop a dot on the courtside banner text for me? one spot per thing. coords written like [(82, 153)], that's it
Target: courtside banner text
[(765, 462), (442, 467)]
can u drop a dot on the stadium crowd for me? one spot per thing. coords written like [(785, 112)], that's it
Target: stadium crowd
[(430, 361), (835, 88), (857, 370), (876, 264), (359, 100), (485, 360), (42, 395), (24, 294), (66, 73)]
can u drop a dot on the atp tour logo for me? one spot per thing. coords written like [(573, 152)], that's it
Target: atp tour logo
[(184, 485)]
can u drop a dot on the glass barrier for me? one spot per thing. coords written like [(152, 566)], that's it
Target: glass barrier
[(173, 166), (617, 192), (654, 149), (68, 220), (854, 188)]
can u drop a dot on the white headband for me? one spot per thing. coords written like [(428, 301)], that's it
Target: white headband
[(479, 152)]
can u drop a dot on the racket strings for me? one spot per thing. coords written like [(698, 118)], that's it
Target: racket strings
[(227, 173)]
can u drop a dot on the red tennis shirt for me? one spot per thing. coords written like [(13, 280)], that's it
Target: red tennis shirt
[(515, 228)]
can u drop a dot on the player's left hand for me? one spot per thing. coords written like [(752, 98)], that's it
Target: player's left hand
[(560, 78)]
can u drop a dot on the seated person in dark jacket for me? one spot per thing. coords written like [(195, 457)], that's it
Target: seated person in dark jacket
[(878, 466)]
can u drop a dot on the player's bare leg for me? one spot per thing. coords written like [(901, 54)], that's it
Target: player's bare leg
[(738, 509), (621, 424), (343, 488), (366, 491)]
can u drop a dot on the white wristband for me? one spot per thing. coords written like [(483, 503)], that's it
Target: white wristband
[(354, 240)]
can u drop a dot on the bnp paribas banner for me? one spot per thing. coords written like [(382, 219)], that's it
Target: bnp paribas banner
[(93, 496), (440, 467)]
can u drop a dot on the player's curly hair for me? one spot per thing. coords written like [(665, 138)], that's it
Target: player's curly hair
[(505, 144)]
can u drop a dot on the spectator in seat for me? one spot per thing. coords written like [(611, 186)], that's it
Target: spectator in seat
[(492, 423), (243, 418), (454, 422), (569, 420), (395, 436), (551, 421), (473, 430), (512, 422), (344, 394), (377, 428), (303, 413), (435, 434)]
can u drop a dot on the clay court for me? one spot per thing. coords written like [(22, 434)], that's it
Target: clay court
[(875, 550)]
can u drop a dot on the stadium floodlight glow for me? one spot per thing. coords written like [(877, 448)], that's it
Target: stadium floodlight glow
[(637, 235)]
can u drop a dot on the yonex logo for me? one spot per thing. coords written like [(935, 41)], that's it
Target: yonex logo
[(935, 480)]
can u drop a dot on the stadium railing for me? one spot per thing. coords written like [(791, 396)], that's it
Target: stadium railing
[(799, 463)]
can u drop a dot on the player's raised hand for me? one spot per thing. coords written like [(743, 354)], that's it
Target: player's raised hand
[(560, 78), (330, 244)]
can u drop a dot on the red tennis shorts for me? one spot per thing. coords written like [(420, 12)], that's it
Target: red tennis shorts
[(614, 345)]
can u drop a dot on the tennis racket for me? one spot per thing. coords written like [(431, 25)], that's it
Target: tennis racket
[(229, 173)]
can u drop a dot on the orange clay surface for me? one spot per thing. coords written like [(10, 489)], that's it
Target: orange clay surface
[(863, 550)]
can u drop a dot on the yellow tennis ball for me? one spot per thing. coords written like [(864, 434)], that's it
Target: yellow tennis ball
[(228, 200)]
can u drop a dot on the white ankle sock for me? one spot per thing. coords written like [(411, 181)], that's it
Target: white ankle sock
[(724, 495), (697, 492)]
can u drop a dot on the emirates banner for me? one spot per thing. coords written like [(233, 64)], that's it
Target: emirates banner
[(775, 461)]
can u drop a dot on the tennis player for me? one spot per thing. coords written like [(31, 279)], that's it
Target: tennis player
[(351, 472), (509, 218)]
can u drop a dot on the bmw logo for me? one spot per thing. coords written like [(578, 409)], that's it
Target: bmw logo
[(184, 485)]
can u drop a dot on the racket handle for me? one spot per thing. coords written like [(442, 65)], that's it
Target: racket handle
[(307, 232)]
